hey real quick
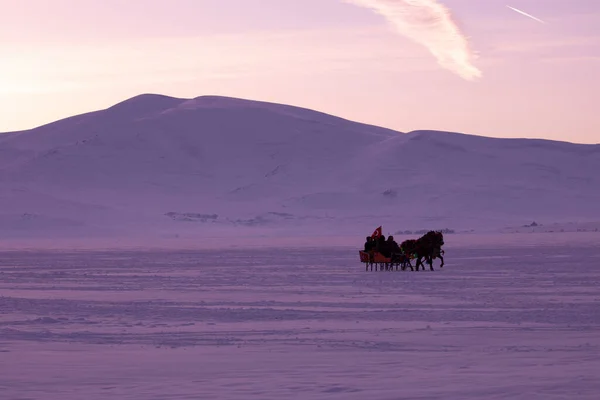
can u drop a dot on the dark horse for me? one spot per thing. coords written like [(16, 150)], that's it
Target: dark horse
[(429, 246), (408, 249)]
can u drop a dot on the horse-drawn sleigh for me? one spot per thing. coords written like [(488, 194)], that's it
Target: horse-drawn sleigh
[(385, 255)]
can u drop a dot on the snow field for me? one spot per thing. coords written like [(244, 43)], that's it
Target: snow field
[(494, 323)]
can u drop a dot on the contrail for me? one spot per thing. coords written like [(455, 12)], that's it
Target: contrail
[(525, 14), (430, 24)]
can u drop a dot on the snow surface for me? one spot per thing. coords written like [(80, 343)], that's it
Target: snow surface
[(503, 322), (156, 166)]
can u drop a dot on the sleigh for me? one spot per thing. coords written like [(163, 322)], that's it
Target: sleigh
[(428, 246), (384, 263)]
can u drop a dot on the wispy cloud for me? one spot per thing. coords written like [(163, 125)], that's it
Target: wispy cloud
[(430, 24)]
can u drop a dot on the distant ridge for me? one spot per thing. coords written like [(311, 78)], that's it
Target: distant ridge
[(159, 165)]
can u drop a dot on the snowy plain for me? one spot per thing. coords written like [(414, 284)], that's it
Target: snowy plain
[(508, 321)]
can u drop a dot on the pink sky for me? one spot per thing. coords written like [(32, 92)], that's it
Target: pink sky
[(484, 69)]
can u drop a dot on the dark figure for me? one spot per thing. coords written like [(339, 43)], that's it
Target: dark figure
[(369, 244), (395, 253), (393, 246), (382, 247)]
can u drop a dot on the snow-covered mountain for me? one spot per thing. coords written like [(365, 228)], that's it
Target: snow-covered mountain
[(155, 165)]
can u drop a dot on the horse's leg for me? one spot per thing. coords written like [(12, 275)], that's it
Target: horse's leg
[(430, 262), (441, 258)]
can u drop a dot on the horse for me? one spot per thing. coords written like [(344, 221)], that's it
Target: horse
[(429, 247), (408, 249)]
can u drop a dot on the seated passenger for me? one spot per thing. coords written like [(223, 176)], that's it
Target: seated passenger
[(369, 244), (393, 247), (382, 247)]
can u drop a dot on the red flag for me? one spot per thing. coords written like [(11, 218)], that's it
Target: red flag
[(377, 233)]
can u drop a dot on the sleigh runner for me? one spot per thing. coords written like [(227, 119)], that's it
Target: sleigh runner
[(384, 263)]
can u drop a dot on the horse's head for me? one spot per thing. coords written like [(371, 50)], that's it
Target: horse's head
[(440, 238)]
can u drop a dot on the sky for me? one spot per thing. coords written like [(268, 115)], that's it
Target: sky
[(472, 66)]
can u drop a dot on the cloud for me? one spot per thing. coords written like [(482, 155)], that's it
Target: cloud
[(430, 24)]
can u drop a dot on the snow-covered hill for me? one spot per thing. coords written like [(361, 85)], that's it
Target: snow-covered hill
[(156, 165)]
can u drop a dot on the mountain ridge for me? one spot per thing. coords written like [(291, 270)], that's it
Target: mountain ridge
[(135, 101), (160, 161)]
